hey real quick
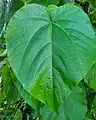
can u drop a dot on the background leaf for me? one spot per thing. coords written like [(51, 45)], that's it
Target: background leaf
[(3, 10), (9, 89), (62, 2), (18, 115), (43, 2), (90, 78), (12, 87)]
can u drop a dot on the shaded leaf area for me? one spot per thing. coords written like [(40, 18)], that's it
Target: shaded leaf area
[(9, 95), (7, 10), (13, 7), (18, 115), (43, 2), (9, 88), (49, 68), (91, 10), (3, 8), (48, 2), (91, 115), (91, 92), (93, 110), (29, 99), (73, 108), (90, 78), (12, 106), (62, 2), (92, 2)]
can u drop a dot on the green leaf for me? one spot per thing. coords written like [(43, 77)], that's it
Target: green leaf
[(62, 2), (2, 13), (82, 1), (9, 89), (49, 2), (1, 97), (18, 115), (43, 2), (14, 6), (94, 102), (90, 78), (9, 74), (50, 53), (87, 118), (52, 9), (92, 2), (92, 11), (73, 108), (3, 56)]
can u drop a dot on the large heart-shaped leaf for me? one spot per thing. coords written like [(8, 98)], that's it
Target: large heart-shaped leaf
[(50, 51), (13, 7), (73, 108)]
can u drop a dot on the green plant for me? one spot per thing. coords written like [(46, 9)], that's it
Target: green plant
[(51, 50)]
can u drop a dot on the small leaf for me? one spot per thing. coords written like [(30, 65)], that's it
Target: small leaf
[(18, 115)]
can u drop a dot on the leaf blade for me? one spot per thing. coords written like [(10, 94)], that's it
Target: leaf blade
[(44, 65)]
